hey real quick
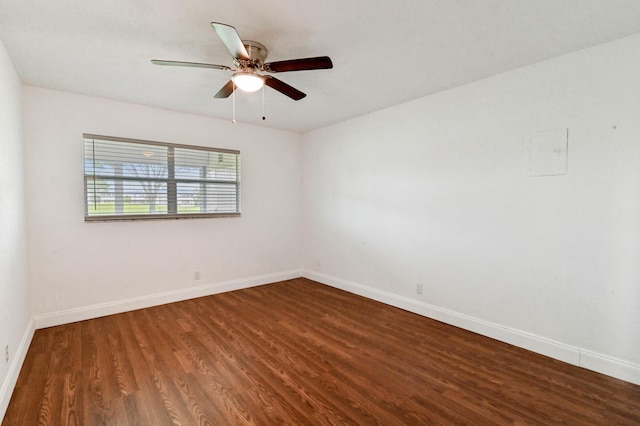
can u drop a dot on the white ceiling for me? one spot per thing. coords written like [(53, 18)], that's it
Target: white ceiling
[(384, 52)]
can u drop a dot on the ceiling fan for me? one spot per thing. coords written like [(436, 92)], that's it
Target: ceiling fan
[(249, 57)]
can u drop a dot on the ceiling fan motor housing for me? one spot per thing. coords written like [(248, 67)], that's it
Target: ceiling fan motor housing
[(257, 55)]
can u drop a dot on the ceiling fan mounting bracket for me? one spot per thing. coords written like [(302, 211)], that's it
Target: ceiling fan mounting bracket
[(257, 51)]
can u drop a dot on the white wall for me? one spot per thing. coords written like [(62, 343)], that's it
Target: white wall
[(15, 310), (434, 192), (79, 270)]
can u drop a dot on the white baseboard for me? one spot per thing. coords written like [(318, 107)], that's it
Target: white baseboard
[(6, 390), (577, 356), (94, 311)]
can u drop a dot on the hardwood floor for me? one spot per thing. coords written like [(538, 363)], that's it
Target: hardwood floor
[(298, 352)]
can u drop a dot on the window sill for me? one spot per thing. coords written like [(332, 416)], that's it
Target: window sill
[(117, 218)]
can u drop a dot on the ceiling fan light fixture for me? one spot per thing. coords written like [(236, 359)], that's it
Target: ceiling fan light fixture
[(248, 81)]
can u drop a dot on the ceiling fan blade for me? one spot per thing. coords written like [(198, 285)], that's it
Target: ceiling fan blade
[(189, 64), (283, 88), (226, 90), (317, 63), (231, 40)]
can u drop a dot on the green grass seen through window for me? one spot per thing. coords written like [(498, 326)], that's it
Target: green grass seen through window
[(108, 208)]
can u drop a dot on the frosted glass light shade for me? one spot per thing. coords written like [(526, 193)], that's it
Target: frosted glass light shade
[(247, 81)]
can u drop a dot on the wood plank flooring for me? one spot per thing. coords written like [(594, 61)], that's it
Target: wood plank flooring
[(298, 352)]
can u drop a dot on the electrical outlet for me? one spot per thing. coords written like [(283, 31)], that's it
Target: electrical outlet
[(419, 289), (196, 275), (6, 352)]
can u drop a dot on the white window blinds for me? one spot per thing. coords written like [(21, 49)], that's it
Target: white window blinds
[(133, 179)]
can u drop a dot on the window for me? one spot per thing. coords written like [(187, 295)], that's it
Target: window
[(133, 179)]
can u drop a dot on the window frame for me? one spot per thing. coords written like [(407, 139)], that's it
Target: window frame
[(171, 183)]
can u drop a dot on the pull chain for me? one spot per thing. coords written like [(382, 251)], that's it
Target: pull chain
[(233, 98), (263, 117)]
